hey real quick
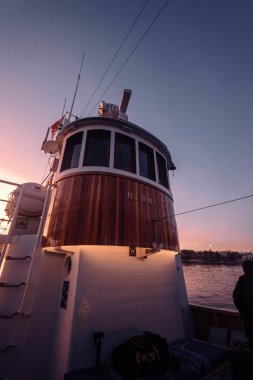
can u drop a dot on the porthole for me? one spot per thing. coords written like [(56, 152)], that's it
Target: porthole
[(68, 265)]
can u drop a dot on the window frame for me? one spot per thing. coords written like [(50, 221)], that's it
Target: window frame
[(69, 152), (122, 138), (162, 172), (88, 146), (151, 172)]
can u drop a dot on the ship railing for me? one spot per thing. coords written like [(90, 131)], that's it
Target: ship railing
[(9, 227), (33, 257), (26, 306), (224, 327), (206, 318)]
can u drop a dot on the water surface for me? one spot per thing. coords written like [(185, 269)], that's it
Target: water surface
[(211, 285)]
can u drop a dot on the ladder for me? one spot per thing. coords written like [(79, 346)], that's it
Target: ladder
[(20, 254)]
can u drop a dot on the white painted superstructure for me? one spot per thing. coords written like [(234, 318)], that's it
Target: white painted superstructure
[(68, 292)]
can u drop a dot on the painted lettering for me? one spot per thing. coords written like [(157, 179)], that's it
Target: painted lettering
[(144, 198)]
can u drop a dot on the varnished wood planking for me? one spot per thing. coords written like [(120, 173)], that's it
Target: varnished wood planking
[(105, 209)]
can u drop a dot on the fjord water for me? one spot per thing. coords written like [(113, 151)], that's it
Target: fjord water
[(211, 285)]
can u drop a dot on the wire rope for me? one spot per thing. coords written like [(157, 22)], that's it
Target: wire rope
[(130, 55), (47, 165), (115, 55), (209, 206)]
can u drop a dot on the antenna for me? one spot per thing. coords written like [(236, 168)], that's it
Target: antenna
[(64, 107), (77, 83)]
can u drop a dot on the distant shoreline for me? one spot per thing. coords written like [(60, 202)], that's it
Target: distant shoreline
[(194, 262), (212, 257)]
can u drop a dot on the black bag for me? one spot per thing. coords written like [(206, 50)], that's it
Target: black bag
[(147, 354)]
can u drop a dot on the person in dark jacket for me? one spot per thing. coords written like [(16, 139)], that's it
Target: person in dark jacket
[(243, 298)]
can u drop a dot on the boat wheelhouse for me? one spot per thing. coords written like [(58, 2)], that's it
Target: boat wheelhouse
[(99, 262), (112, 188)]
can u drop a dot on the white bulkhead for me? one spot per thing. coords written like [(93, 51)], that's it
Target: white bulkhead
[(71, 291)]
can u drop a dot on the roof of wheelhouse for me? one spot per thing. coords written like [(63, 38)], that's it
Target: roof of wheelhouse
[(124, 126)]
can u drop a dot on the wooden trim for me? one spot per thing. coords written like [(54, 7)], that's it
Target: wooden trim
[(214, 310), (103, 209), (81, 173), (205, 318)]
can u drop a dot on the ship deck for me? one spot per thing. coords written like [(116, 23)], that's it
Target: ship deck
[(206, 320)]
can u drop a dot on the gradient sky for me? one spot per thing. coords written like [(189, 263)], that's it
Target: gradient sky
[(192, 83)]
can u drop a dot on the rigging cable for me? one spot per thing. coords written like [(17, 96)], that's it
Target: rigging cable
[(209, 206), (46, 178), (132, 52), (47, 165), (115, 55)]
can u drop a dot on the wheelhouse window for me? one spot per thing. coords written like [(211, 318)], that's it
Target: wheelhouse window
[(124, 153), (97, 149), (72, 152), (162, 170), (146, 161)]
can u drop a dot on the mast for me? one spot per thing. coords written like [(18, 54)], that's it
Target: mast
[(77, 83), (64, 107)]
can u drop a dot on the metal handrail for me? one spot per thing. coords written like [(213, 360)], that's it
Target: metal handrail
[(9, 316), (7, 241), (6, 285), (2, 350), (18, 258), (37, 245), (10, 183)]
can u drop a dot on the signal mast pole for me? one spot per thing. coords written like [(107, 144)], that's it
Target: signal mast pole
[(78, 79)]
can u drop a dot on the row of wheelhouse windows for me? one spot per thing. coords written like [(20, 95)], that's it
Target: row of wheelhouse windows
[(97, 153)]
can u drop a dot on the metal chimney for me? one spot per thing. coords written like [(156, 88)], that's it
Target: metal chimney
[(125, 100), (112, 110)]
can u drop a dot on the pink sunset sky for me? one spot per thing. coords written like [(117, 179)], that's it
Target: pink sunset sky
[(192, 84)]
